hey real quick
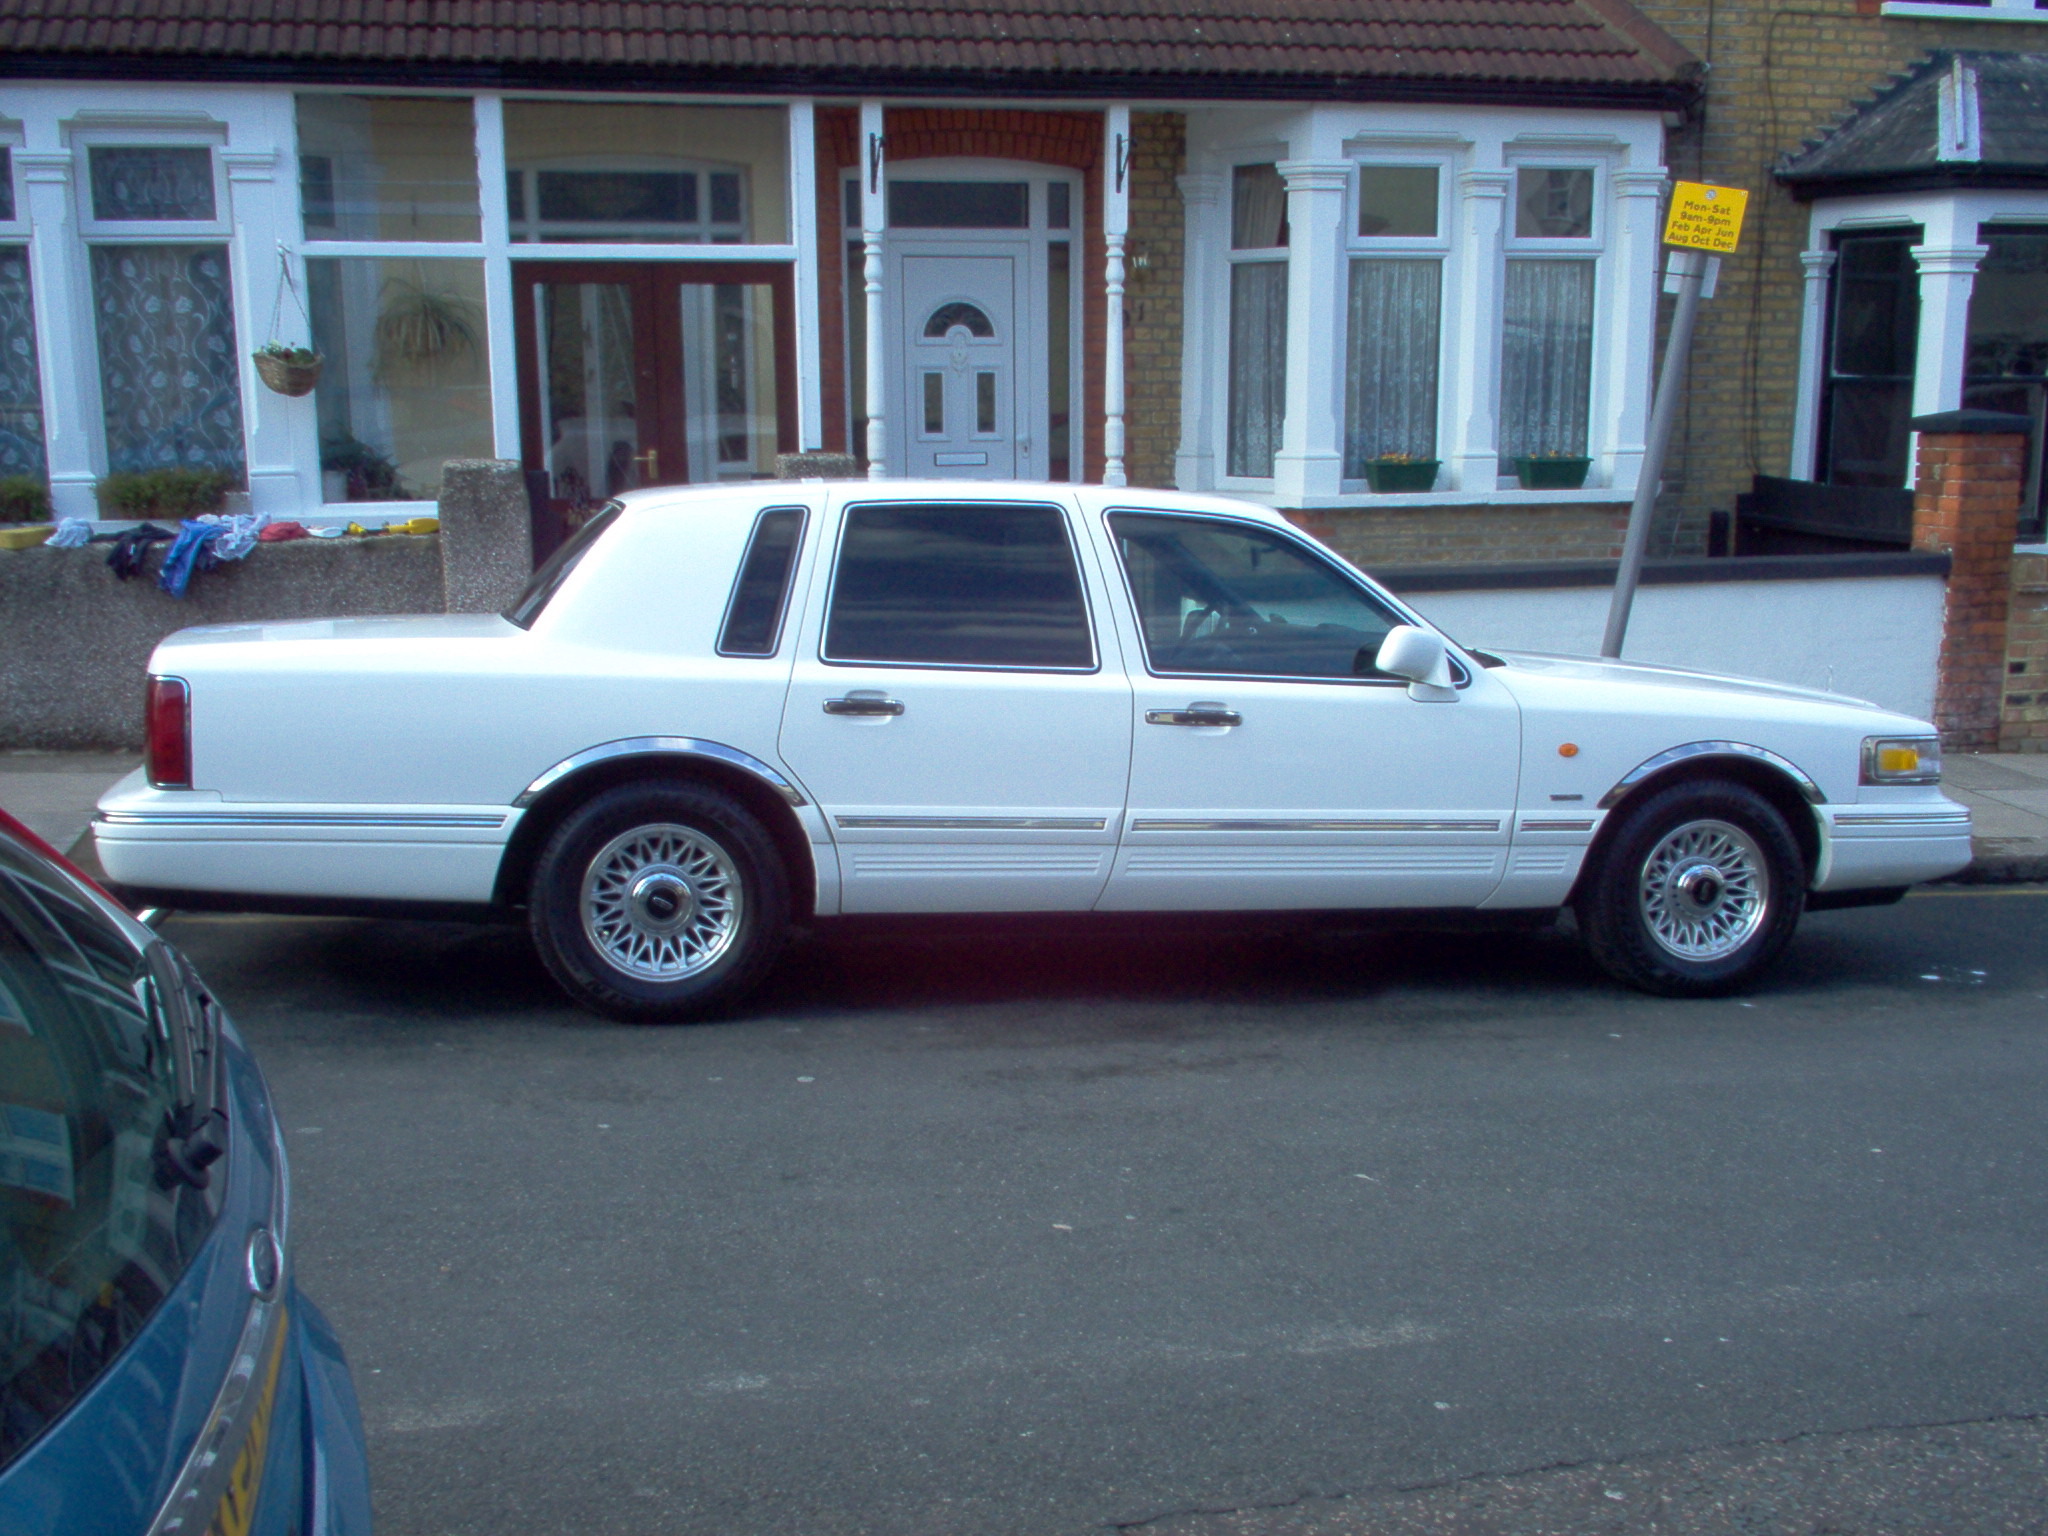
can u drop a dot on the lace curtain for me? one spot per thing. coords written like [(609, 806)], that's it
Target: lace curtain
[(1390, 366), (1546, 360), (170, 372), (21, 393), (1258, 365)]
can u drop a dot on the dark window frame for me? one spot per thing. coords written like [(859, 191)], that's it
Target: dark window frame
[(782, 602)]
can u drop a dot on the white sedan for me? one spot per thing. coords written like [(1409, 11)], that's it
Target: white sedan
[(718, 712)]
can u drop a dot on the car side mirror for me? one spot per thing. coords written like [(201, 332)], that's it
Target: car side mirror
[(1423, 659)]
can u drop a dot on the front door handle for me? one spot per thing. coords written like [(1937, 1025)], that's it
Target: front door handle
[(864, 703), (1201, 712)]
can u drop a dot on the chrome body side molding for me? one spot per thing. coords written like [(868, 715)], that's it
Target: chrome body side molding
[(408, 819), (1665, 759), (1263, 824), (661, 746), (975, 823)]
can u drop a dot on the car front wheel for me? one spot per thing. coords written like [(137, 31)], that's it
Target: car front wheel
[(656, 903), (1698, 892)]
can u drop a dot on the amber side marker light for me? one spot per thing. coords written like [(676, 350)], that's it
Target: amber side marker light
[(1901, 760), (1568, 749), (167, 719)]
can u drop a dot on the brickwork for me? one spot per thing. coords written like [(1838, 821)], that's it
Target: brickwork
[(2025, 724), (1966, 503), (1071, 139), (1454, 535), (1153, 297), (1778, 76)]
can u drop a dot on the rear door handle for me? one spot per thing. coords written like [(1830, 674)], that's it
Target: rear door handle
[(864, 703), (1201, 712)]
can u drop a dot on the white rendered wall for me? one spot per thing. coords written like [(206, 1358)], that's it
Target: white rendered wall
[(1876, 638)]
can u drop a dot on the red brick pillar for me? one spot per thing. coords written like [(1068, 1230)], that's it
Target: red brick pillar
[(1966, 503)]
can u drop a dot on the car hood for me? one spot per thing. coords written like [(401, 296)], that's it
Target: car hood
[(1594, 669)]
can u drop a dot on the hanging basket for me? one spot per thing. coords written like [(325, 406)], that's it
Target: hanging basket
[(286, 376)]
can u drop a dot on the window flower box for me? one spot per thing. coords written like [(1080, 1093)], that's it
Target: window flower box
[(1401, 474), (1552, 471)]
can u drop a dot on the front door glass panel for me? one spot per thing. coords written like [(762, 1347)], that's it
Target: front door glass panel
[(1873, 340)]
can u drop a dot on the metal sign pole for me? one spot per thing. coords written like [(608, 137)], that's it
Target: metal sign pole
[(1690, 266)]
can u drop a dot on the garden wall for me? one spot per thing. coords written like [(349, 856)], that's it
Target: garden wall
[(1865, 625)]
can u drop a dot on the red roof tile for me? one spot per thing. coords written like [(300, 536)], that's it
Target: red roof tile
[(1148, 47)]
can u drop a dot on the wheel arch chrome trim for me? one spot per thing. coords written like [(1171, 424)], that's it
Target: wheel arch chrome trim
[(661, 746), (1672, 756)]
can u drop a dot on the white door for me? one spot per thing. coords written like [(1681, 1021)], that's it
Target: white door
[(1271, 766), (962, 725), (960, 322)]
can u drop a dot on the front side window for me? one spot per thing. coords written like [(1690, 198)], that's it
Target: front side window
[(1258, 318), (972, 584), (92, 1236), (407, 383), (1224, 599), (170, 369)]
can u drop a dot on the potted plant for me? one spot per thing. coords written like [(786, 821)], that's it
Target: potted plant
[(288, 370), (167, 493), (24, 511), (1552, 471), (1401, 472), (420, 329), (359, 472)]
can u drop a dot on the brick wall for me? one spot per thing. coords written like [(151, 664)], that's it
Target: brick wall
[(1966, 500), (1426, 535), (1153, 298), (2024, 727), (1780, 75)]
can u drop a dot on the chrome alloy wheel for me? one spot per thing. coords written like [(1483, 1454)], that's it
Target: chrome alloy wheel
[(1705, 890), (662, 902)]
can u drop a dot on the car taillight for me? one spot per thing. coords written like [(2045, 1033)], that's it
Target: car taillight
[(168, 711)]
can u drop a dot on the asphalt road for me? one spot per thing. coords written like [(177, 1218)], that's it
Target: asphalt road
[(1049, 1229)]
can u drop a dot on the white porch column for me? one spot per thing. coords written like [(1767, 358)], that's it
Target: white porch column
[(805, 235), (1813, 334), (874, 221), (1473, 454), (1116, 226), (1623, 420), (67, 354), (1194, 465), (1310, 462), (1947, 274)]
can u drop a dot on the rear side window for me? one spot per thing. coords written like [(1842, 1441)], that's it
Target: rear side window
[(91, 1237), (760, 598), (958, 584), (549, 578)]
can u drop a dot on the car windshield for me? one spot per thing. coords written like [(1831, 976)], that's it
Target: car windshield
[(549, 578), (92, 1238)]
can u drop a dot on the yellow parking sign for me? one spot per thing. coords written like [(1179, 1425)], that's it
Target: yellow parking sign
[(1705, 218)]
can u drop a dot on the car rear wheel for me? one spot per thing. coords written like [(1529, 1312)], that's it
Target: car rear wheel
[(656, 903), (1697, 893)]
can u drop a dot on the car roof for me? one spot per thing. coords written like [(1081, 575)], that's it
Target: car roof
[(1091, 497)]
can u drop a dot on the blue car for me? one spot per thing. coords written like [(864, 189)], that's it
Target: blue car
[(160, 1372)]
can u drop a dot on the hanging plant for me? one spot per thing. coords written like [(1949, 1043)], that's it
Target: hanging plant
[(422, 328), (288, 369)]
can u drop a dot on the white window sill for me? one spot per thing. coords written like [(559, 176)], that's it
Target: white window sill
[(1998, 10), (1509, 496)]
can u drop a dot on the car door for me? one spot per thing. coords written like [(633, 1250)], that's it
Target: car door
[(1271, 765), (956, 710)]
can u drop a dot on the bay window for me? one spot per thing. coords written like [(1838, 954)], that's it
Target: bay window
[(1393, 317), (1547, 297), (1258, 318)]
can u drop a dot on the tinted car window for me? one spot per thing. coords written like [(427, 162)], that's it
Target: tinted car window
[(1221, 598), (91, 1239), (549, 578), (971, 584), (753, 620)]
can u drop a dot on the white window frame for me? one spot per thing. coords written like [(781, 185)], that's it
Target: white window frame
[(1270, 154), (1591, 247), (1994, 10), (1402, 247), (95, 230)]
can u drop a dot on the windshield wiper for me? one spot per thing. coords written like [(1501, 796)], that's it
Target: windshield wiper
[(194, 1133)]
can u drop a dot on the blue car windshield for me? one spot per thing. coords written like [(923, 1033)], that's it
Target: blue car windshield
[(92, 1235)]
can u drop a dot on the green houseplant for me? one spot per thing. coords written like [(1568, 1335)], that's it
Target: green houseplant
[(1401, 472), (288, 370), (1552, 471), (171, 493)]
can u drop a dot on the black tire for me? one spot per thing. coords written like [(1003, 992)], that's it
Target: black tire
[(656, 903), (1696, 894)]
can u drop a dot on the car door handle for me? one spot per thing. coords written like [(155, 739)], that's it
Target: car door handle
[(864, 704), (1201, 712)]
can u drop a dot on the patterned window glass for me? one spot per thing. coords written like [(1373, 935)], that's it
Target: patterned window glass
[(21, 393), (6, 185), (170, 375), (1546, 361), (152, 182)]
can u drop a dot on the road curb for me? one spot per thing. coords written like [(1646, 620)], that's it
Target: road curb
[(2000, 863)]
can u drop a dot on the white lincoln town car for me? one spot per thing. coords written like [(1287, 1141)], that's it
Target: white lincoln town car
[(718, 712)]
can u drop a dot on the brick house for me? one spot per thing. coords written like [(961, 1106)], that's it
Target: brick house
[(1243, 246)]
